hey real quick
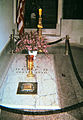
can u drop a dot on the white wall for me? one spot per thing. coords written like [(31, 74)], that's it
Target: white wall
[(6, 20), (73, 28)]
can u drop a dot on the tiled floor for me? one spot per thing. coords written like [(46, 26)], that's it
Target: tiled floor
[(69, 90)]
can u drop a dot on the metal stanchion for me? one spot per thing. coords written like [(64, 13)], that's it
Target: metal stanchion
[(12, 43), (66, 45)]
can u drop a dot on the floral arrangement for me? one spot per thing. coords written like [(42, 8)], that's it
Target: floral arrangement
[(31, 42)]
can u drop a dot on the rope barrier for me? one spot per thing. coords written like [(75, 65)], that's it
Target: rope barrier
[(55, 41), (74, 66), (48, 112)]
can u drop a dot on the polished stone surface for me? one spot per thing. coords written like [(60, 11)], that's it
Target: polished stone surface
[(47, 93)]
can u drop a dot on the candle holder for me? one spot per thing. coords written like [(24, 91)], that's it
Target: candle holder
[(30, 65), (40, 23)]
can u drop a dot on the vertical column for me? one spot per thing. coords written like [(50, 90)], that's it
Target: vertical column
[(60, 6)]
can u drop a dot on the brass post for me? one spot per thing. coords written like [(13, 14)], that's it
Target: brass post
[(12, 44), (66, 44), (12, 36)]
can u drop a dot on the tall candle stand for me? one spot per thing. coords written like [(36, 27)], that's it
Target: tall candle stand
[(30, 57), (40, 24)]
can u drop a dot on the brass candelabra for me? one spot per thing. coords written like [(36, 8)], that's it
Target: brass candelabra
[(30, 57), (40, 23)]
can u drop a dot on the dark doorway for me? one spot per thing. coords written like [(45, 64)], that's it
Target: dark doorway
[(73, 9), (49, 16)]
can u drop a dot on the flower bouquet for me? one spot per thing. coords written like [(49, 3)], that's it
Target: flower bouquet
[(31, 42)]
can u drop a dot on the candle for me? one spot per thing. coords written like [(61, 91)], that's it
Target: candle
[(40, 12)]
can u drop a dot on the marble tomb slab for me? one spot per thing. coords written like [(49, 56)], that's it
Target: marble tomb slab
[(45, 76)]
